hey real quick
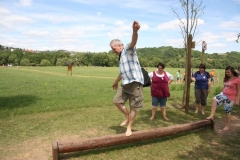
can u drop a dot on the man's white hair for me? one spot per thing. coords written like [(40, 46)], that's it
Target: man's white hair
[(116, 42)]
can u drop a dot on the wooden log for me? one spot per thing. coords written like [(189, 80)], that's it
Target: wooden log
[(112, 140)]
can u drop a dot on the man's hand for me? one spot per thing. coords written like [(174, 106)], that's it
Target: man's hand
[(115, 86), (136, 26)]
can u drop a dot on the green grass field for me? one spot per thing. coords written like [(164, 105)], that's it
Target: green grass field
[(39, 105)]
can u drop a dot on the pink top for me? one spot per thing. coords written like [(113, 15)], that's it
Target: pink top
[(230, 88)]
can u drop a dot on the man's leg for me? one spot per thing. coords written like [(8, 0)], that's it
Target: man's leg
[(132, 115), (135, 96), (124, 110)]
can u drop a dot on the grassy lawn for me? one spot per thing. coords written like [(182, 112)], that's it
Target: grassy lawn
[(39, 105)]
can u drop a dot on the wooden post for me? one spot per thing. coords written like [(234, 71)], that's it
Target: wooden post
[(70, 68), (188, 77), (55, 152), (112, 140)]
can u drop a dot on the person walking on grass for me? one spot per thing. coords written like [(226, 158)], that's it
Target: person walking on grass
[(202, 87), (132, 79), (212, 74), (159, 89), (229, 96), (178, 77)]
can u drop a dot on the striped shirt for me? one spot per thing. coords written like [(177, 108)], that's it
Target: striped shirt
[(129, 66)]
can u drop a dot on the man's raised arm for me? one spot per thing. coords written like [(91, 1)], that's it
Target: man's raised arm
[(136, 27)]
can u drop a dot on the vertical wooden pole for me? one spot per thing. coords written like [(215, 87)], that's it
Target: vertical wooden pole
[(203, 51), (55, 150), (188, 75)]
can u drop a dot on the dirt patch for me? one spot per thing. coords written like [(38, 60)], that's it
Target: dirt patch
[(234, 126), (36, 148)]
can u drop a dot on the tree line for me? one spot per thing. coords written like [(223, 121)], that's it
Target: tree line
[(148, 57)]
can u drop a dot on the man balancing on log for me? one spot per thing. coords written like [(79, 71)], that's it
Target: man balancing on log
[(132, 79)]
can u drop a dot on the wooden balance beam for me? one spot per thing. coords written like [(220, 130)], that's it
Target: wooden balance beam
[(113, 140)]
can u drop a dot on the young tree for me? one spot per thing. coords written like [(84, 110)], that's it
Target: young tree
[(192, 11)]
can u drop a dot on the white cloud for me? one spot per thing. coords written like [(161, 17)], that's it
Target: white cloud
[(216, 45), (210, 37), (174, 42), (25, 3), (10, 21), (238, 1), (5, 26), (69, 33), (169, 25), (175, 24), (17, 19), (36, 33), (99, 13), (117, 34), (230, 36), (60, 18), (144, 27), (230, 24), (119, 23), (4, 11)]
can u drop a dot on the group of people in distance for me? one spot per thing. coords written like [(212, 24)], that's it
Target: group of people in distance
[(180, 78), (214, 81), (132, 85)]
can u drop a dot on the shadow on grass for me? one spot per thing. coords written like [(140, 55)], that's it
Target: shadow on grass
[(17, 101), (176, 115), (120, 129)]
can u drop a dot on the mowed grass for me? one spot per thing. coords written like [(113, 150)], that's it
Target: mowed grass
[(39, 105)]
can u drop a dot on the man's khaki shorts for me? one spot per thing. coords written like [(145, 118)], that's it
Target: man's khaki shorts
[(133, 92)]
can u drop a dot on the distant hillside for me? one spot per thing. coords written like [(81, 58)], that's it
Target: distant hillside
[(148, 57)]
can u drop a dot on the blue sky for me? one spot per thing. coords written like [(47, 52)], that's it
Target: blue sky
[(89, 25)]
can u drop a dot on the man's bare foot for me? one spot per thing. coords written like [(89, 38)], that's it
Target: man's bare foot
[(151, 118), (203, 113), (196, 111), (210, 118), (124, 123), (129, 132), (166, 118)]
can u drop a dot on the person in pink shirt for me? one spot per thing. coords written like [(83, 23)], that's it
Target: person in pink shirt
[(229, 96)]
